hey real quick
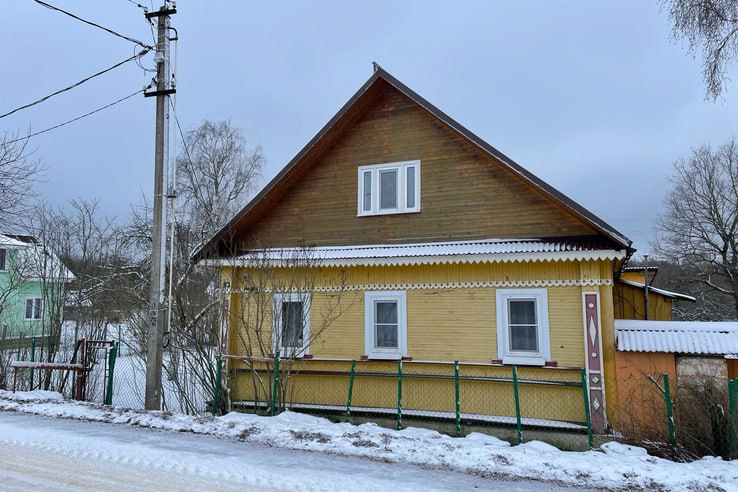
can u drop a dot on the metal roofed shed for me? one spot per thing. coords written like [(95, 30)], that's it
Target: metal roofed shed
[(681, 337)]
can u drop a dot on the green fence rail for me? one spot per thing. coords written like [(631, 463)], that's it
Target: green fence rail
[(453, 397), (733, 419)]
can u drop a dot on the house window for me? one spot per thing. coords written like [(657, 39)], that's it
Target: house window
[(389, 188), (3, 259), (34, 308), (385, 325), (291, 324), (522, 326)]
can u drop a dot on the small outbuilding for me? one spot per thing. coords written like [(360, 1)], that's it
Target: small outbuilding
[(699, 357)]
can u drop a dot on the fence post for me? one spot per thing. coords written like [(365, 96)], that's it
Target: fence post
[(399, 395), (517, 404), (458, 406), (111, 367), (216, 393), (350, 390), (275, 384), (33, 359), (587, 414), (732, 403), (669, 415)]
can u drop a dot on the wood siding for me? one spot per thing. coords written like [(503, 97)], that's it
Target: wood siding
[(445, 323), (465, 194), (630, 303), (641, 403)]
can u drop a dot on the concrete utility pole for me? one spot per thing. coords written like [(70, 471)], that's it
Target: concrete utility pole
[(155, 333)]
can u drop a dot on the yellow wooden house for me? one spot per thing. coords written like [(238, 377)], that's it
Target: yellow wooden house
[(396, 234)]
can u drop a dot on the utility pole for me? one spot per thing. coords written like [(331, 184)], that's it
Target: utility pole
[(645, 286), (155, 333)]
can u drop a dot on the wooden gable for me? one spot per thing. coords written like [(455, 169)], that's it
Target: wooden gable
[(467, 192)]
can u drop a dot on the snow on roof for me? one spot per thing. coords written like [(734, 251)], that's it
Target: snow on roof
[(640, 268), (667, 293), (9, 242), (484, 250), (686, 337), (35, 261)]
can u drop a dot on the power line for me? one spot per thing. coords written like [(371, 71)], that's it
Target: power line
[(127, 38), (77, 118), (181, 134), (144, 7), (148, 21), (134, 57)]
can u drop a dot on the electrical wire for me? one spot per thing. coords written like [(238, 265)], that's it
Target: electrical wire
[(144, 7), (134, 57), (127, 38), (77, 118), (184, 142), (148, 21), (138, 62)]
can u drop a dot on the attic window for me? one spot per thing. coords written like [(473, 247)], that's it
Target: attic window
[(392, 188)]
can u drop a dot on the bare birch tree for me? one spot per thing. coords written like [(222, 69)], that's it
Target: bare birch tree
[(709, 27), (698, 226), (19, 172), (215, 174)]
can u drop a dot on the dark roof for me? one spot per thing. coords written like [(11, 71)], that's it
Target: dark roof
[(380, 74)]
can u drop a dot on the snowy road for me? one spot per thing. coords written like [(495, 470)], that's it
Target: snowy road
[(60, 455)]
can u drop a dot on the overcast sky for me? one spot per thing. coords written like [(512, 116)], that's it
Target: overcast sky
[(593, 97)]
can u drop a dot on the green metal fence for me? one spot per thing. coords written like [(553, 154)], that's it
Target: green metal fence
[(733, 419), (516, 403)]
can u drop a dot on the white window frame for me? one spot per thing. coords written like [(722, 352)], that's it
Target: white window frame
[(37, 309), (374, 170), (290, 352), (539, 358), (370, 350)]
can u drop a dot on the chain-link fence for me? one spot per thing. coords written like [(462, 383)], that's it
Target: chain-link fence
[(516, 403)]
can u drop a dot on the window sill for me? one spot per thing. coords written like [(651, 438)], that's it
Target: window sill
[(380, 356), (388, 212), (521, 360)]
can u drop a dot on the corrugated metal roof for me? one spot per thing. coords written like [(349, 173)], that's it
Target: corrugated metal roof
[(686, 337), (487, 250), (640, 269)]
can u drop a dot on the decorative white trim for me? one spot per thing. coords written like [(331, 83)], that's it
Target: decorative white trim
[(498, 284), (450, 259)]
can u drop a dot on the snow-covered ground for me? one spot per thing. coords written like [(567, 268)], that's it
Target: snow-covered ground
[(446, 463)]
